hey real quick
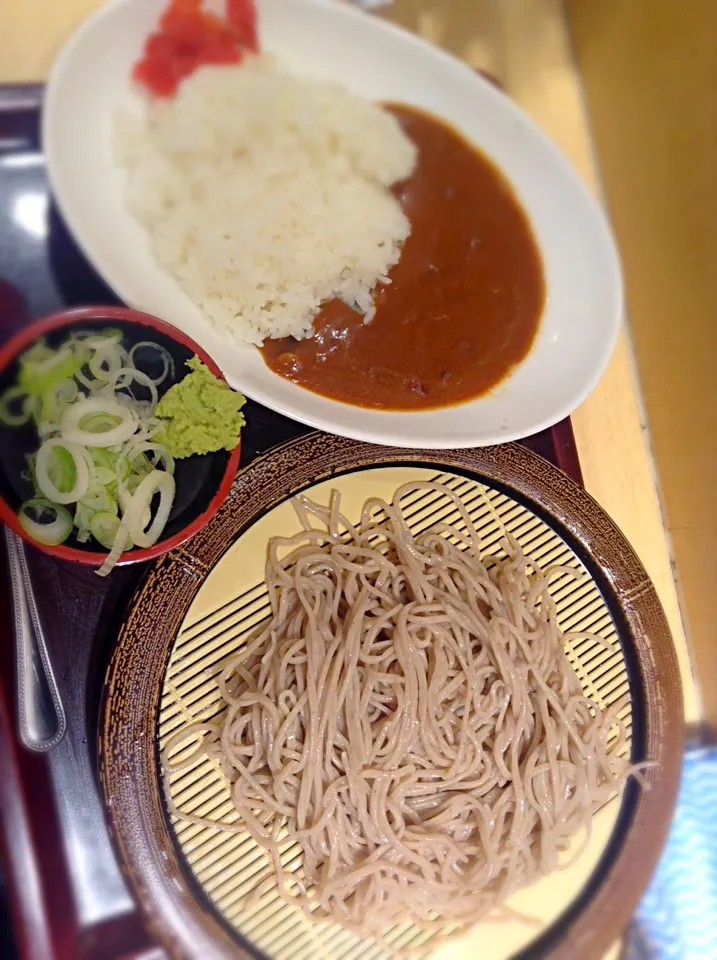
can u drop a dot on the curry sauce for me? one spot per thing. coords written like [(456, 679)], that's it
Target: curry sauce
[(464, 302)]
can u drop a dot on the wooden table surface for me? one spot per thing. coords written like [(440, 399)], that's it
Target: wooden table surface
[(650, 78), (526, 45)]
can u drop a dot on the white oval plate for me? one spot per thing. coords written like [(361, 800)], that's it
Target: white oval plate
[(584, 290)]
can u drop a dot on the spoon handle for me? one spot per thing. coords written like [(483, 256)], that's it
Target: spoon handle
[(41, 713)]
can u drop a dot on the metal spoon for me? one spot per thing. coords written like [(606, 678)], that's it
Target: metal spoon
[(41, 713)]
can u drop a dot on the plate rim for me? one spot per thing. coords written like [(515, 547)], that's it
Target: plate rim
[(388, 427), (142, 834)]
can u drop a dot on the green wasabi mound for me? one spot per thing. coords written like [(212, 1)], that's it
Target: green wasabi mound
[(200, 414)]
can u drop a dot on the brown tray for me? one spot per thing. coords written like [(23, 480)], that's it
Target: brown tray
[(67, 897)]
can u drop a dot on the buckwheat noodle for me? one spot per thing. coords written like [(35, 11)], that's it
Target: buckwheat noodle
[(409, 717)]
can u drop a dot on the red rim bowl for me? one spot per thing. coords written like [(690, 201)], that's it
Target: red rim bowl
[(78, 317)]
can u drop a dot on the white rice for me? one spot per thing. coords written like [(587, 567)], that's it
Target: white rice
[(266, 194)]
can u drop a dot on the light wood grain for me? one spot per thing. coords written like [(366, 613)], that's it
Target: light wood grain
[(650, 76), (526, 46)]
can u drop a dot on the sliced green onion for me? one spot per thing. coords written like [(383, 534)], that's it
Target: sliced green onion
[(134, 526), (97, 341), (13, 398), (97, 450), (46, 455), (123, 377), (32, 406), (103, 467), (31, 458), (98, 500), (122, 469), (134, 480), (104, 528), (99, 422), (37, 355), (56, 399), (82, 520), (61, 469), (107, 360), (41, 367), (125, 493), (45, 522), (89, 382), (161, 454), (72, 417), (164, 355), (158, 481), (150, 426)]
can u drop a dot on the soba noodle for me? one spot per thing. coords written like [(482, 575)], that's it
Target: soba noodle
[(409, 717)]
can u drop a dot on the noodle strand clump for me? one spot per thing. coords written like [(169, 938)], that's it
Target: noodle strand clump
[(409, 717)]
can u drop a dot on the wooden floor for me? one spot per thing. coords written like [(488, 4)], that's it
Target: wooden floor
[(650, 78)]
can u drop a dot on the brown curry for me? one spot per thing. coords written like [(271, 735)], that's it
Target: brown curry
[(464, 301)]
